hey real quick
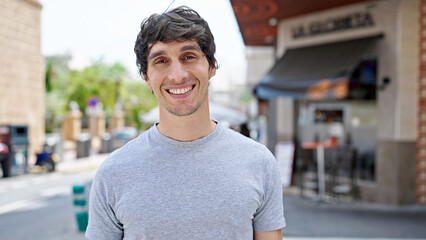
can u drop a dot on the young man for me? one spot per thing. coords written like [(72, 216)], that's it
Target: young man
[(187, 177)]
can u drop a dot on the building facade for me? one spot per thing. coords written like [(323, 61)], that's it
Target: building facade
[(22, 86), (380, 39)]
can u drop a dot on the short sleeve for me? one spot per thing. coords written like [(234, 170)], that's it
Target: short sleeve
[(270, 215), (103, 223)]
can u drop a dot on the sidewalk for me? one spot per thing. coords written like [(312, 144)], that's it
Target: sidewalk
[(307, 218), (73, 165), (342, 238)]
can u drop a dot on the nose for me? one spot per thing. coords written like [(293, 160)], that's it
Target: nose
[(177, 72)]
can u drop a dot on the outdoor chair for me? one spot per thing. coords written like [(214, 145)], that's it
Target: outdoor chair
[(306, 167), (343, 169)]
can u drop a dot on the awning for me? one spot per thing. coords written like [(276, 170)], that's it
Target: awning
[(316, 72)]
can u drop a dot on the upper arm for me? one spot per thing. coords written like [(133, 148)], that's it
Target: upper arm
[(103, 224), (270, 214), (270, 235)]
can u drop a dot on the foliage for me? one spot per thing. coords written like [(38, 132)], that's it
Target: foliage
[(245, 96), (55, 110), (48, 77), (99, 80), (137, 98), (105, 81), (55, 102)]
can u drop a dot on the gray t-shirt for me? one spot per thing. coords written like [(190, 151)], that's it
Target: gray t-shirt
[(222, 186)]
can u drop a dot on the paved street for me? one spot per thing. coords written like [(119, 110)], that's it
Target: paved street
[(39, 206), (50, 218)]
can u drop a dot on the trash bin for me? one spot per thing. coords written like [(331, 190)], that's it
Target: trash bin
[(106, 145), (83, 145), (15, 139)]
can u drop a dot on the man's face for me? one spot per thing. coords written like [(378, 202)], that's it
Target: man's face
[(178, 73)]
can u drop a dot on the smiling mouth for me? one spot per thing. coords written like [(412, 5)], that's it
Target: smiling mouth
[(179, 91)]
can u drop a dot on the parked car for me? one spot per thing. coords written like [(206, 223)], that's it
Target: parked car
[(121, 136)]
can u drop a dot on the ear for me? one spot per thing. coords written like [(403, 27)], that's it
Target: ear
[(212, 71), (148, 83)]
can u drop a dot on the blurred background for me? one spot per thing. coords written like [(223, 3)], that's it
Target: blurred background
[(336, 89)]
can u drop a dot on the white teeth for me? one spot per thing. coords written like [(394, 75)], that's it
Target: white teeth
[(180, 91)]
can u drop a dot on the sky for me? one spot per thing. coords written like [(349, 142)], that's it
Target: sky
[(107, 29)]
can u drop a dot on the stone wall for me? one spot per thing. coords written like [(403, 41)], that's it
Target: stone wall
[(22, 86), (421, 114)]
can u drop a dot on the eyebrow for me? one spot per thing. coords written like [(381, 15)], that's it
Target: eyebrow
[(155, 54), (188, 47)]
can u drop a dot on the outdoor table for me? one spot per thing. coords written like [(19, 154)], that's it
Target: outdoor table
[(319, 147)]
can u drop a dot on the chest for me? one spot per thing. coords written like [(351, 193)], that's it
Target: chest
[(177, 197)]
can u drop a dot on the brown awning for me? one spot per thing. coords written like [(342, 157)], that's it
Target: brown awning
[(255, 18)]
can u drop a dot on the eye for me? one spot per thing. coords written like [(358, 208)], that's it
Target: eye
[(188, 57), (160, 61)]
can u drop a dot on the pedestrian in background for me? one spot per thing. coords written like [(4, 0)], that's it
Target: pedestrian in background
[(187, 177), (244, 130)]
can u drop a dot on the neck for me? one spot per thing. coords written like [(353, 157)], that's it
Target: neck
[(186, 128)]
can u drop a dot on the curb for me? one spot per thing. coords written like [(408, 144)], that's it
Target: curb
[(81, 164)]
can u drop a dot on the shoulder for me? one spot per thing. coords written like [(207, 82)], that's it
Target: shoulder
[(235, 138), (122, 158), (242, 145)]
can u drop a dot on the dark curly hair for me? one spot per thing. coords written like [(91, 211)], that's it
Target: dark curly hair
[(179, 23)]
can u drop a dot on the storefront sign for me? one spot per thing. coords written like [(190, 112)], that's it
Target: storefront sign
[(351, 21), (326, 89), (284, 153)]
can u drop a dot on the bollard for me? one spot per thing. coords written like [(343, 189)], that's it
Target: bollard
[(80, 202)]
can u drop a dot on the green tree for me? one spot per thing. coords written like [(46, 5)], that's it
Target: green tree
[(99, 80), (105, 81), (56, 80), (137, 98)]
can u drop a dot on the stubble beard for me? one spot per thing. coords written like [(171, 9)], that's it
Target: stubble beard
[(181, 112)]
